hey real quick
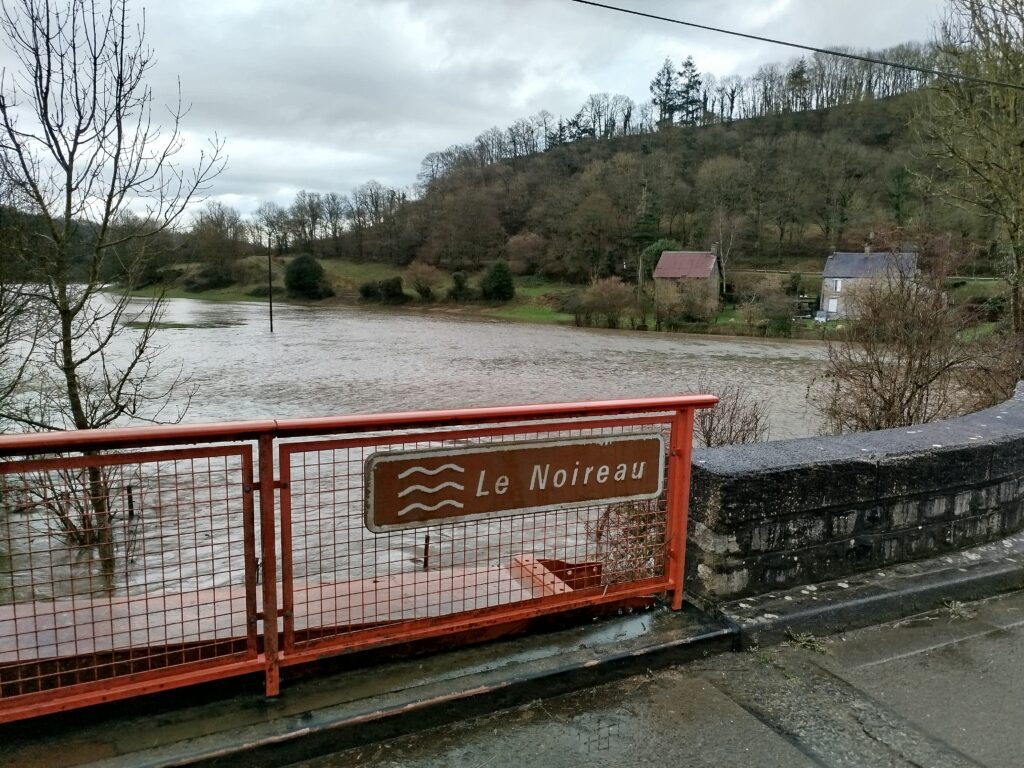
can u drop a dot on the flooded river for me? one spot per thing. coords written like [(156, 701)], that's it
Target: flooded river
[(177, 524), (322, 361)]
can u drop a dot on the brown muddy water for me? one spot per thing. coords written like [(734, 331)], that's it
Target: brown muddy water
[(322, 362), (185, 531)]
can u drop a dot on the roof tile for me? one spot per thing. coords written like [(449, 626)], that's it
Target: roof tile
[(859, 264), (673, 264)]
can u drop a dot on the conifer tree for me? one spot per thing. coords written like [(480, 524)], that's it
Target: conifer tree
[(688, 94), (665, 93)]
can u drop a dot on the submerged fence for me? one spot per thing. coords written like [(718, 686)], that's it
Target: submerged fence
[(137, 560)]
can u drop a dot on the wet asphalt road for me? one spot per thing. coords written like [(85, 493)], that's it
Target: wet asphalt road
[(942, 690)]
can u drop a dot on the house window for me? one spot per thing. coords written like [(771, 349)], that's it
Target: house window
[(833, 306), (839, 285)]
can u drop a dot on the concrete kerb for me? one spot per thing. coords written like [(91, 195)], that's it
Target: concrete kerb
[(877, 597)]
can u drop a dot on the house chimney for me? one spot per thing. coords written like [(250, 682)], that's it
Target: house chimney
[(714, 248)]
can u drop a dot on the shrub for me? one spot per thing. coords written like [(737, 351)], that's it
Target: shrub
[(388, 291), (738, 418), (370, 290), (987, 309), (525, 252), (460, 290), (794, 284), (305, 279), (572, 303), (264, 290), (692, 303), (609, 297), (496, 284), (391, 291), (629, 539), (209, 280), (424, 279), (777, 312)]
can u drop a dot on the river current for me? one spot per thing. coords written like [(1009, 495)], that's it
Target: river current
[(330, 361)]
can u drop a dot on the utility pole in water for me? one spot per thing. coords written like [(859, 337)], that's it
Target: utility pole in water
[(270, 278), (640, 251)]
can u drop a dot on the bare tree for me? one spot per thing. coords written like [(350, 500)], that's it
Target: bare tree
[(908, 357), (308, 214), (270, 220), (738, 417), (18, 337), (723, 184), (978, 129), (18, 332), (81, 148), (334, 219)]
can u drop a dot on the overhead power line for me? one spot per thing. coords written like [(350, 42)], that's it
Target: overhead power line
[(813, 49)]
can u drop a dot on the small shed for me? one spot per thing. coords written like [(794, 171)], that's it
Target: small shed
[(690, 269), (845, 272)]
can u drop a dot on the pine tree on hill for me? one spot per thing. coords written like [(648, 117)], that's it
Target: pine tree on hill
[(688, 98), (665, 93)]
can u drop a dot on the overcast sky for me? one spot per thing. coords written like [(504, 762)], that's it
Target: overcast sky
[(325, 95)]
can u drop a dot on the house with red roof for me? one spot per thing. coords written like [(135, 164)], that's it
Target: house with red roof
[(689, 272)]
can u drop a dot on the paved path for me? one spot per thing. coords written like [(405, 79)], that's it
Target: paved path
[(943, 690)]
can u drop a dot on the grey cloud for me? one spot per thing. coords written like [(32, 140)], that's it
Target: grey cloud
[(326, 95)]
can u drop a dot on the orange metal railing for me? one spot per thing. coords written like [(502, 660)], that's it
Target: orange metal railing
[(139, 559)]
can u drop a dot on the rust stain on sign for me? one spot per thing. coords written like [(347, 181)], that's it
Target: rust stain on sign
[(416, 488)]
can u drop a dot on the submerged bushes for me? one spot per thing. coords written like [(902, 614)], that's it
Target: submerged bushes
[(305, 279)]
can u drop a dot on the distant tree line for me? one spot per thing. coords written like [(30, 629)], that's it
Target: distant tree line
[(684, 96)]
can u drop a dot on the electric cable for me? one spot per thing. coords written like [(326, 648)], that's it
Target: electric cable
[(813, 49)]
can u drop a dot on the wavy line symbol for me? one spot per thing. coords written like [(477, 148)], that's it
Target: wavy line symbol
[(435, 489), (425, 471), (425, 508)]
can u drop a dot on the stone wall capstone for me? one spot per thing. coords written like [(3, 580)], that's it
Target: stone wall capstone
[(774, 515)]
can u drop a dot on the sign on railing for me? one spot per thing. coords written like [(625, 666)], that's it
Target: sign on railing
[(416, 488)]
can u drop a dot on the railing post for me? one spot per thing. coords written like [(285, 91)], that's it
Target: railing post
[(252, 562), (679, 458), (287, 551), (268, 540)]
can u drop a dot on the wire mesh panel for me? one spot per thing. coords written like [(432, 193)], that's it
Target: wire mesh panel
[(347, 585), (123, 568)]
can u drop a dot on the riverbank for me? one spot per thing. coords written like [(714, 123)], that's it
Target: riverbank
[(537, 301)]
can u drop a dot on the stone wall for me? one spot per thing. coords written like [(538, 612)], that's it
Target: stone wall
[(778, 514)]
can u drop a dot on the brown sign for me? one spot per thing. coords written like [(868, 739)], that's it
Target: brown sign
[(417, 488)]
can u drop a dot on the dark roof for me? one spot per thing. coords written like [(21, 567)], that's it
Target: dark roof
[(861, 264), (685, 264)]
